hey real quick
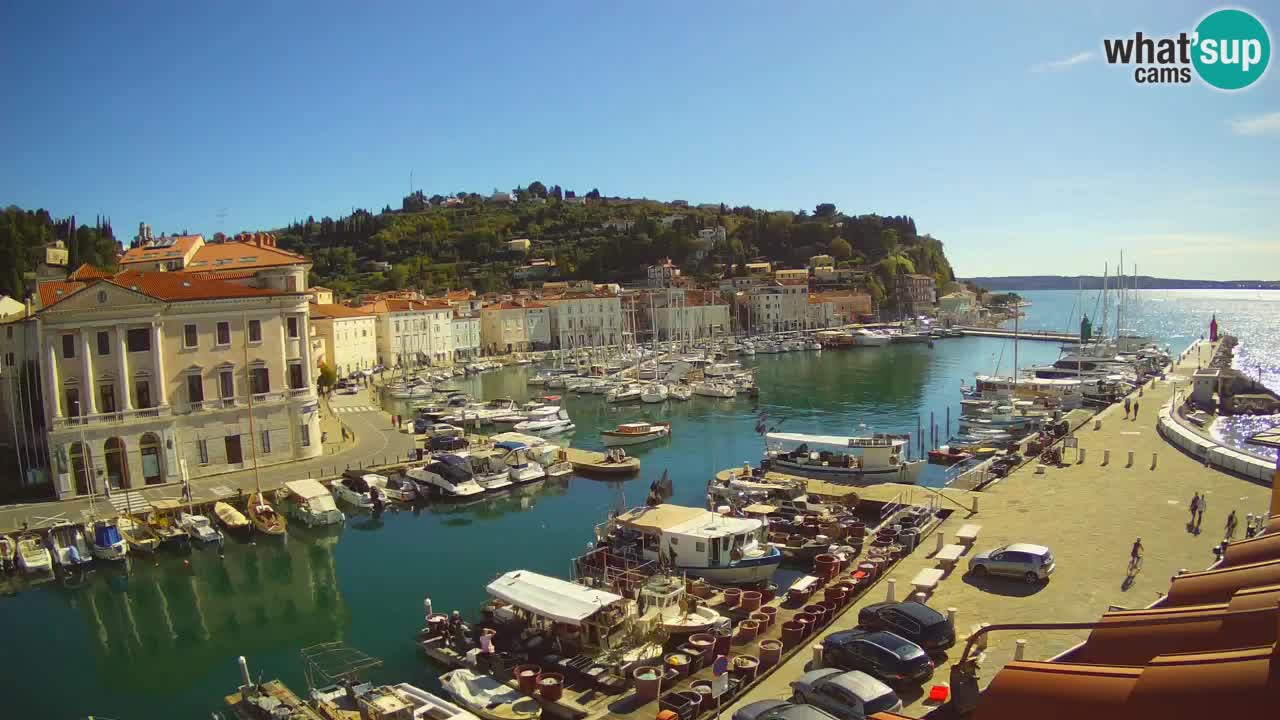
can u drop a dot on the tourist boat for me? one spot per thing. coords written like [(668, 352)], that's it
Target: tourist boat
[(624, 393), (312, 504), (108, 544), (137, 534), (67, 544), (521, 467), (163, 521), (721, 549), (448, 477), (232, 519), (199, 529), (265, 519), (489, 470), (947, 455), (863, 337), (664, 602), (32, 556), (654, 393), (354, 489), (875, 458), (635, 433), (715, 389), (546, 421), (487, 697)]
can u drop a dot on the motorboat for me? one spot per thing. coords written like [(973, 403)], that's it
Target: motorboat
[(947, 455), (814, 345), (487, 697), (654, 393), (869, 459), (32, 557), (911, 337), (199, 529), (863, 337), (108, 543), (664, 602), (721, 369), (538, 379), (521, 466), (635, 433), (715, 389), (137, 534), (489, 469), (718, 548), (163, 521), (67, 544), (265, 519), (624, 393), (396, 488), (679, 392), (231, 519), (555, 463), (546, 421), (366, 701), (448, 477), (312, 504), (355, 489)]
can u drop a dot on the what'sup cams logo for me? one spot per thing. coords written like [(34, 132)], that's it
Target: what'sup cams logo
[(1229, 50)]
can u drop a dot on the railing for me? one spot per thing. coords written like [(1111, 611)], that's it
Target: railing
[(267, 397), (299, 392), (111, 417)]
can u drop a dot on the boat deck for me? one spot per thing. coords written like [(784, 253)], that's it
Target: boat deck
[(275, 690), (588, 461)]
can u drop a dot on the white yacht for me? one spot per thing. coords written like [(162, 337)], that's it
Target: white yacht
[(521, 466), (199, 529), (679, 392), (721, 549), (447, 477), (355, 489), (68, 545), (715, 389), (310, 503), (721, 369), (654, 393), (546, 421), (489, 470), (863, 337), (624, 393), (871, 459)]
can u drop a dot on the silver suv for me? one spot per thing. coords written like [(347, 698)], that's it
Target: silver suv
[(1033, 563)]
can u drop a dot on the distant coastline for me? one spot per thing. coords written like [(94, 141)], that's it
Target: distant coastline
[(1094, 282)]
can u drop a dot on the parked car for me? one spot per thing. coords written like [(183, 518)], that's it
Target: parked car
[(891, 658), (849, 695), (443, 443), (914, 621), (1032, 563), (780, 710)]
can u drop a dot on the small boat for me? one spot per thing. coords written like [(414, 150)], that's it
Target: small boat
[(32, 556), (869, 338), (67, 544), (715, 389), (679, 392), (655, 393), (546, 421), (664, 601), (538, 379), (447, 477), (7, 550), (489, 470), (312, 504), (353, 488), (624, 393), (635, 433), (946, 455), (485, 696), (399, 489), (232, 519), (108, 544), (265, 519), (138, 534), (198, 527), (163, 521), (521, 467)]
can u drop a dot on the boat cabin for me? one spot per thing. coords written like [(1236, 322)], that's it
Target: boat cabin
[(690, 537), (579, 617)]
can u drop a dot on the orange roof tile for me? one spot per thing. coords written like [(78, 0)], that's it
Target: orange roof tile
[(223, 274), (337, 311), (185, 286), (241, 255), (384, 305), (179, 247), (54, 291), (89, 272)]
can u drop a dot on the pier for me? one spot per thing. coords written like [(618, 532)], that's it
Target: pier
[(1021, 334)]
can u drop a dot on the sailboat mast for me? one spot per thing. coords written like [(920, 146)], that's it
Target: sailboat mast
[(1016, 312), (253, 439)]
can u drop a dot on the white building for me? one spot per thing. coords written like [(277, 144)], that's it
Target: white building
[(502, 328), (585, 318), (779, 306), (413, 332), (688, 315), (349, 336), (663, 274), (466, 337)]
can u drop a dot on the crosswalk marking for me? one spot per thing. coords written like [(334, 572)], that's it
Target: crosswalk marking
[(131, 501), (355, 408)]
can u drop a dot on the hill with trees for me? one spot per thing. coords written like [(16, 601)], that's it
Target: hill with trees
[(1095, 282), (25, 233)]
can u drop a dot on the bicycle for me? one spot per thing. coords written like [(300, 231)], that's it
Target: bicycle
[(1135, 563)]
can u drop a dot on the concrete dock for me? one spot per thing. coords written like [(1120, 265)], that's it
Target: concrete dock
[(1088, 514)]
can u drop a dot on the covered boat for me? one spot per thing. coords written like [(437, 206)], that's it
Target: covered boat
[(875, 458), (697, 542), (164, 521), (522, 468), (486, 697), (232, 519), (448, 477), (108, 543), (635, 433), (68, 545), (312, 504), (584, 618)]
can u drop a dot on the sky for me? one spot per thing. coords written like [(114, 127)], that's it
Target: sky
[(997, 126)]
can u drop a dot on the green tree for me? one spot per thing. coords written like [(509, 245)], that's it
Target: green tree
[(841, 249), (825, 210), (537, 189), (397, 277), (328, 377)]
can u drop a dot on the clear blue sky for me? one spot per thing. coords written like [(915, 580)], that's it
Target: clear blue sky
[(996, 125)]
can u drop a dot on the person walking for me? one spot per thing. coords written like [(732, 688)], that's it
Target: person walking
[(1126, 408), (1231, 525), (1195, 505), (1204, 505), (1135, 409)]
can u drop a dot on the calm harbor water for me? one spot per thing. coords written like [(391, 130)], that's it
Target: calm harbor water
[(159, 639)]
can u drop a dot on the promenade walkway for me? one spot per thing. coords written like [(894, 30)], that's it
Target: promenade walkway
[(1089, 515), (375, 442)]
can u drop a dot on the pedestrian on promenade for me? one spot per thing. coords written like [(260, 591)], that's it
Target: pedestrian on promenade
[(1126, 408), (1195, 505), (1231, 525), (1135, 409), (1204, 505)]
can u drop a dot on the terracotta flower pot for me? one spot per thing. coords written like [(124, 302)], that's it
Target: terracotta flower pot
[(770, 652), (747, 630), (527, 677), (551, 686), (732, 596), (750, 600)]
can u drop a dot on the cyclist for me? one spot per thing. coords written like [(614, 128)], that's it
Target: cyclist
[(1135, 555)]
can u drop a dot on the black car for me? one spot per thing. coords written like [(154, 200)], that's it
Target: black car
[(914, 621), (441, 443), (780, 710), (879, 653)]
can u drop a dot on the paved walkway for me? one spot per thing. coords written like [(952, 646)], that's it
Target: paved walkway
[(375, 443), (1089, 515)]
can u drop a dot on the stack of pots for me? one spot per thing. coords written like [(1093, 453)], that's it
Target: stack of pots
[(834, 593), (750, 600), (732, 596), (825, 566), (819, 614), (770, 652), (771, 612), (807, 622), (527, 677), (764, 619), (705, 644), (868, 570)]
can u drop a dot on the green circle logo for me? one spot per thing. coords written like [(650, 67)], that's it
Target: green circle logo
[(1232, 49)]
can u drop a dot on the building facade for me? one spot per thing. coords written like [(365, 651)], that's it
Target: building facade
[(778, 306), (466, 337), (915, 294), (349, 337), (503, 329), (687, 315), (848, 307), (585, 318), (412, 333)]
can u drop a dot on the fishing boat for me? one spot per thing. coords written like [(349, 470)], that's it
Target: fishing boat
[(199, 529), (635, 433), (108, 544), (265, 519), (137, 534), (874, 458), (312, 504), (947, 455), (624, 394), (715, 389), (163, 521), (448, 477), (32, 556), (486, 697), (679, 392), (232, 519), (522, 468), (546, 421), (696, 542), (654, 393), (67, 544), (664, 602)]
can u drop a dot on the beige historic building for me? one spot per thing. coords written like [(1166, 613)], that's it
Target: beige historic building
[(349, 337), (147, 375), (413, 332)]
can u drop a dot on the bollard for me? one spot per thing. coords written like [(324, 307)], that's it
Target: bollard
[(920, 597), (942, 540), (1097, 424), (1130, 462), (1081, 453), (975, 503), (1106, 457), (889, 596), (816, 650), (982, 641), (1182, 571), (246, 681), (426, 605), (1019, 649), (951, 616), (1153, 461)]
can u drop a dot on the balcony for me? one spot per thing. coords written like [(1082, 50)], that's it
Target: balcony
[(301, 392), (63, 423)]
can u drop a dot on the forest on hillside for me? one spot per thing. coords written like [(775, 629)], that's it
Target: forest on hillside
[(25, 233)]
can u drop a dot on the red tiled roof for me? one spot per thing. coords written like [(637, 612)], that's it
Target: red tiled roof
[(167, 286), (337, 311), (179, 247), (223, 274), (89, 272), (54, 291), (383, 305), (241, 255)]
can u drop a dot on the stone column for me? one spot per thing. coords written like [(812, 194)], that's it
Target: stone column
[(304, 332), (53, 392), (284, 348), (122, 343), (87, 400), (157, 362)]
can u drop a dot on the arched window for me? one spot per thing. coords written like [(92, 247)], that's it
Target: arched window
[(152, 460), (117, 461)]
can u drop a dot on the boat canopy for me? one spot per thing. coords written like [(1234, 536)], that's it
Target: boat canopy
[(794, 441), (549, 597), (307, 489), (680, 520), (106, 535), (510, 445)]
